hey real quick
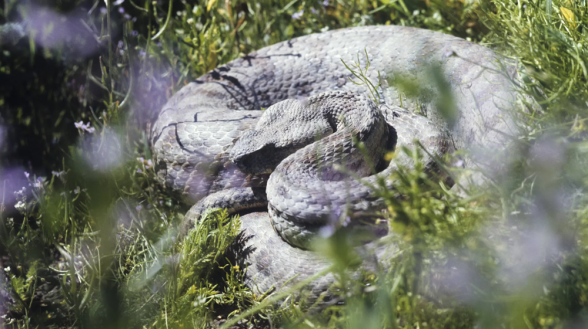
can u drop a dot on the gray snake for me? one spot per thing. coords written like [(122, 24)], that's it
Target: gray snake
[(194, 135)]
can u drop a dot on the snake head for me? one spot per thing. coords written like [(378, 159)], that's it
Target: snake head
[(283, 128), (255, 155)]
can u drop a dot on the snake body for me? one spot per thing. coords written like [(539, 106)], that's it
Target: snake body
[(312, 188), (201, 136)]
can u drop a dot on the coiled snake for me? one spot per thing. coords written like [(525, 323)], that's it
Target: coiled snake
[(212, 135)]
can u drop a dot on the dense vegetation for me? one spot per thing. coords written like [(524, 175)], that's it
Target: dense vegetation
[(87, 237)]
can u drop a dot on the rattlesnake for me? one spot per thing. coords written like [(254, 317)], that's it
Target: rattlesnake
[(193, 137)]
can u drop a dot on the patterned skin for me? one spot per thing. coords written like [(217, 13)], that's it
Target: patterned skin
[(203, 140)]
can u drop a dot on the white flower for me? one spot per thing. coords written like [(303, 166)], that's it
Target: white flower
[(58, 173), (7, 269), (38, 183), (86, 127), (20, 206), (190, 21), (26, 174), (199, 301)]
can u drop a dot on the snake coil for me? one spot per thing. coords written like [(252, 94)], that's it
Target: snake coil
[(193, 136)]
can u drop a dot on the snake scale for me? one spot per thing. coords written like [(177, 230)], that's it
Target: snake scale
[(213, 144)]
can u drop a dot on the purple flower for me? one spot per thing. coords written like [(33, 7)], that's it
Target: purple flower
[(139, 171), (79, 124), (134, 33), (103, 10), (346, 221), (26, 174), (142, 53), (325, 3), (298, 15), (139, 208), (326, 231), (121, 10), (118, 2), (313, 10), (120, 44)]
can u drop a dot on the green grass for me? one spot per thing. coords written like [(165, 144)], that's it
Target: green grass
[(515, 246)]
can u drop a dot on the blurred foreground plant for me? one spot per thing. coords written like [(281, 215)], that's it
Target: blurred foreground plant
[(92, 245)]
